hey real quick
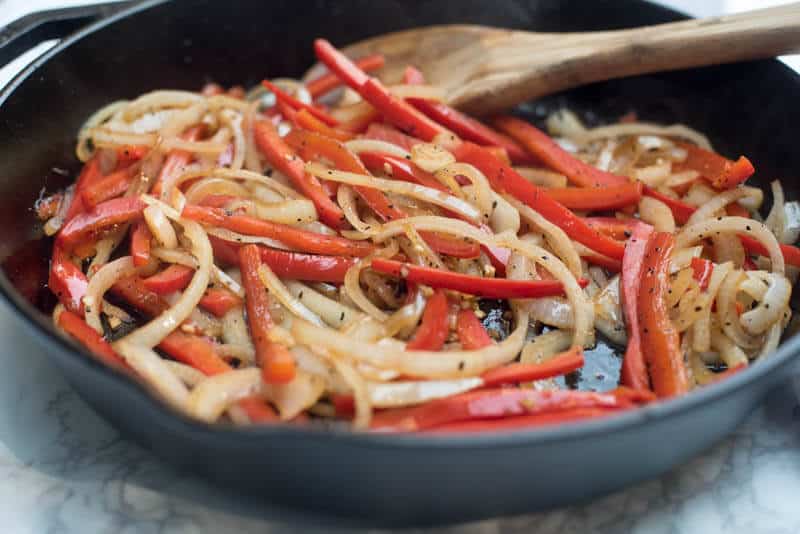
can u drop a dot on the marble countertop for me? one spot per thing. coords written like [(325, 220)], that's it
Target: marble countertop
[(64, 470)]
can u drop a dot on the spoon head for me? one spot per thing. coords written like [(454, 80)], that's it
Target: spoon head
[(445, 54)]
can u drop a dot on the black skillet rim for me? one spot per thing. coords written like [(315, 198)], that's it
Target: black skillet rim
[(37, 324)]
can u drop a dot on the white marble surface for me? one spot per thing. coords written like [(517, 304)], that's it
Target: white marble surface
[(64, 470)]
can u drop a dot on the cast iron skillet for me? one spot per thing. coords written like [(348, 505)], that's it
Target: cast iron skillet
[(746, 108)]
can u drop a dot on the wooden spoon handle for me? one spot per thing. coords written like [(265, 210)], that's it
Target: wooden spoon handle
[(519, 66)]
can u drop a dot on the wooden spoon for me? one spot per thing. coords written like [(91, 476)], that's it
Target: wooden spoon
[(485, 70)]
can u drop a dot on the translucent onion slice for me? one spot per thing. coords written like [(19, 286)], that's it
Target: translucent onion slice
[(101, 282), (188, 375), (390, 354), (297, 396), (157, 329), (155, 100), (373, 145), (285, 297), (331, 311), (693, 233), (420, 192), (104, 138), (771, 308), (710, 209), (211, 397), (482, 191), (544, 346), (398, 394), (214, 186), (642, 128), (428, 92), (155, 372), (655, 212), (726, 311), (160, 227)]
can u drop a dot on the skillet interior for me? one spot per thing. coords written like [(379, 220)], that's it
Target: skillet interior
[(392, 479)]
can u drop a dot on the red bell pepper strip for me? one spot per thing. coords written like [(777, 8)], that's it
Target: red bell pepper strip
[(133, 291), (471, 129), (195, 351), (737, 210), (177, 160), (504, 178), (721, 172), (306, 120), (219, 301), (129, 154), (398, 112), (660, 341), (492, 404), (330, 81), (104, 216), (89, 174), (277, 363), (390, 134), (610, 264), (67, 281), (113, 185), (297, 105), (499, 288), (413, 76), (394, 109), (522, 421), (545, 149), (634, 369), (680, 209), (471, 333), (141, 240), (287, 112), (286, 161), (307, 267), (173, 278), (401, 169), (257, 410), (701, 271), (597, 198), (74, 325), (612, 227), (516, 373), (289, 235), (435, 325), (311, 145), (791, 254)]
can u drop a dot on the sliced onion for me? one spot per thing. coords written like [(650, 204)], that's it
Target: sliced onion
[(157, 329), (701, 326), (211, 397), (562, 245), (544, 346), (234, 122), (160, 227), (357, 384), (483, 194), (542, 177), (104, 138), (608, 313), (347, 201), (730, 353), (101, 282), (280, 292), (771, 308), (188, 375), (95, 119), (352, 283), (214, 186), (713, 206), (373, 145), (297, 396), (431, 157), (241, 174), (643, 128), (653, 175), (390, 354), (428, 92), (428, 194), (235, 332), (292, 212), (397, 394), (655, 212), (726, 311), (155, 100), (693, 233), (155, 372), (331, 311)]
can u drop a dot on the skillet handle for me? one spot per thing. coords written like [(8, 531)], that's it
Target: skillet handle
[(30, 30)]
